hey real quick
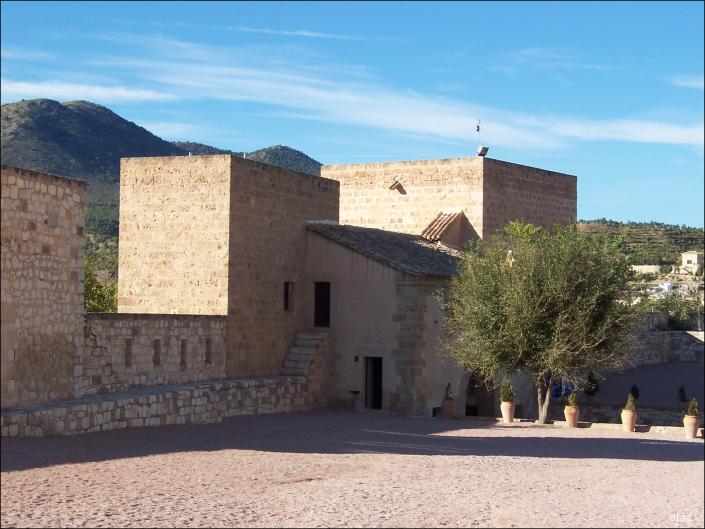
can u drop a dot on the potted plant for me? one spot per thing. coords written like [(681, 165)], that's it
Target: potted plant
[(572, 411), (507, 395), (691, 421), (629, 414), (448, 404)]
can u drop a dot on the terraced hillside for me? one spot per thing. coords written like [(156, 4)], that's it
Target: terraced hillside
[(650, 242)]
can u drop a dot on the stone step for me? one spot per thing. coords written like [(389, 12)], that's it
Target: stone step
[(302, 349), (296, 364), (318, 336), (299, 357), (293, 372)]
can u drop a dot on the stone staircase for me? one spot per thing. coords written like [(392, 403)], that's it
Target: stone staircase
[(301, 353)]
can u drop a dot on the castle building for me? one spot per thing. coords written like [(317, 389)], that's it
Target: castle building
[(233, 269)]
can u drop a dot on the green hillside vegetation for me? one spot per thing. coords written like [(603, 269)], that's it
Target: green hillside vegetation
[(650, 243)]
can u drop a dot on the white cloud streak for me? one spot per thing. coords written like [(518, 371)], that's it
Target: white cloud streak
[(62, 91), (187, 71), (689, 81), (25, 54), (295, 33), (172, 130)]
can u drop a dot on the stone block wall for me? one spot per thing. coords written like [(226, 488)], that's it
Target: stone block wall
[(657, 347), (428, 187), (208, 402), (517, 192), (127, 350), (43, 223), (269, 208), (174, 229)]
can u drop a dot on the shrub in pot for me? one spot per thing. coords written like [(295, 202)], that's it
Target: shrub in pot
[(691, 421), (448, 404), (506, 395), (572, 411), (629, 414)]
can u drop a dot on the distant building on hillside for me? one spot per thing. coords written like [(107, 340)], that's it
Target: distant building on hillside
[(691, 261)]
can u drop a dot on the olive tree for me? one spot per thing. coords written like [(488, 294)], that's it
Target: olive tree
[(552, 303), (99, 297)]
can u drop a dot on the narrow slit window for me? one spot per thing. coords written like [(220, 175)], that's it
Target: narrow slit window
[(128, 352), (288, 295), (209, 352), (157, 353), (183, 355)]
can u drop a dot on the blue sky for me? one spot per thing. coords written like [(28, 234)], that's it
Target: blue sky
[(611, 92)]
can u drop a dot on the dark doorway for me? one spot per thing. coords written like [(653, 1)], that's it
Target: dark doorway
[(373, 383), (321, 306)]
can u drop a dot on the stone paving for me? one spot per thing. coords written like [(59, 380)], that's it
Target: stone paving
[(344, 469)]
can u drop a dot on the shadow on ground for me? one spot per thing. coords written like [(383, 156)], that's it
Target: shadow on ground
[(337, 432)]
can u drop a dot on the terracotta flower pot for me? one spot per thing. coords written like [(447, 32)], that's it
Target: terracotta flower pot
[(448, 408), (691, 423), (628, 420), (572, 414), (507, 411)]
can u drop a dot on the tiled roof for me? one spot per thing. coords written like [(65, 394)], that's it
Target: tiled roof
[(409, 253), (434, 231)]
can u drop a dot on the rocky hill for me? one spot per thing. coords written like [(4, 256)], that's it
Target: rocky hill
[(650, 242), (85, 140)]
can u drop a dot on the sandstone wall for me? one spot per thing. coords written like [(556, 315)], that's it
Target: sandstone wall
[(207, 402), (657, 347), (517, 192), (269, 207), (174, 229), (429, 187), (43, 223), (124, 350)]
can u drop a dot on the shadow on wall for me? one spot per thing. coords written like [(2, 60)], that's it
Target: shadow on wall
[(331, 433)]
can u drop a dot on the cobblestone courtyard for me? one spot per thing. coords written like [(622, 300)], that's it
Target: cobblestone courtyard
[(345, 469)]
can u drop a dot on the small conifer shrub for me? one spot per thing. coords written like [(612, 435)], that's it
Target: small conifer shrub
[(506, 393), (693, 408), (631, 403), (573, 399)]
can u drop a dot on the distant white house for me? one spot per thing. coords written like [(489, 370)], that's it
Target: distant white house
[(691, 261)]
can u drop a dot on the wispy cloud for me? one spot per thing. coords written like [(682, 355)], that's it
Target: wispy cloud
[(25, 54), (303, 33), (287, 83), (58, 90), (545, 59), (689, 81)]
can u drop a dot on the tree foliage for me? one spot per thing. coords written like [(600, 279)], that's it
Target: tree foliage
[(99, 297), (683, 311), (553, 303)]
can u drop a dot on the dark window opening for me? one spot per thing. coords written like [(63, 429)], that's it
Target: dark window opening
[(182, 364), (209, 353), (157, 353), (288, 295), (321, 308), (128, 352), (373, 383)]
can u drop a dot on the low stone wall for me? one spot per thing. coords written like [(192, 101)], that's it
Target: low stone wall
[(161, 405), (650, 415), (133, 350), (658, 347)]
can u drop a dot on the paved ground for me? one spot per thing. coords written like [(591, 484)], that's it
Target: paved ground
[(353, 470)]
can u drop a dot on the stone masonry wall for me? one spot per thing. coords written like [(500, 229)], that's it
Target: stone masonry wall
[(517, 192), (429, 187), (270, 206), (207, 402), (125, 350), (174, 227), (43, 225), (657, 347)]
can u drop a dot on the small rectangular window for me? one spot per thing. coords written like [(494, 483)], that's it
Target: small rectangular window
[(157, 353), (182, 364), (209, 352), (288, 295), (128, 352)]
